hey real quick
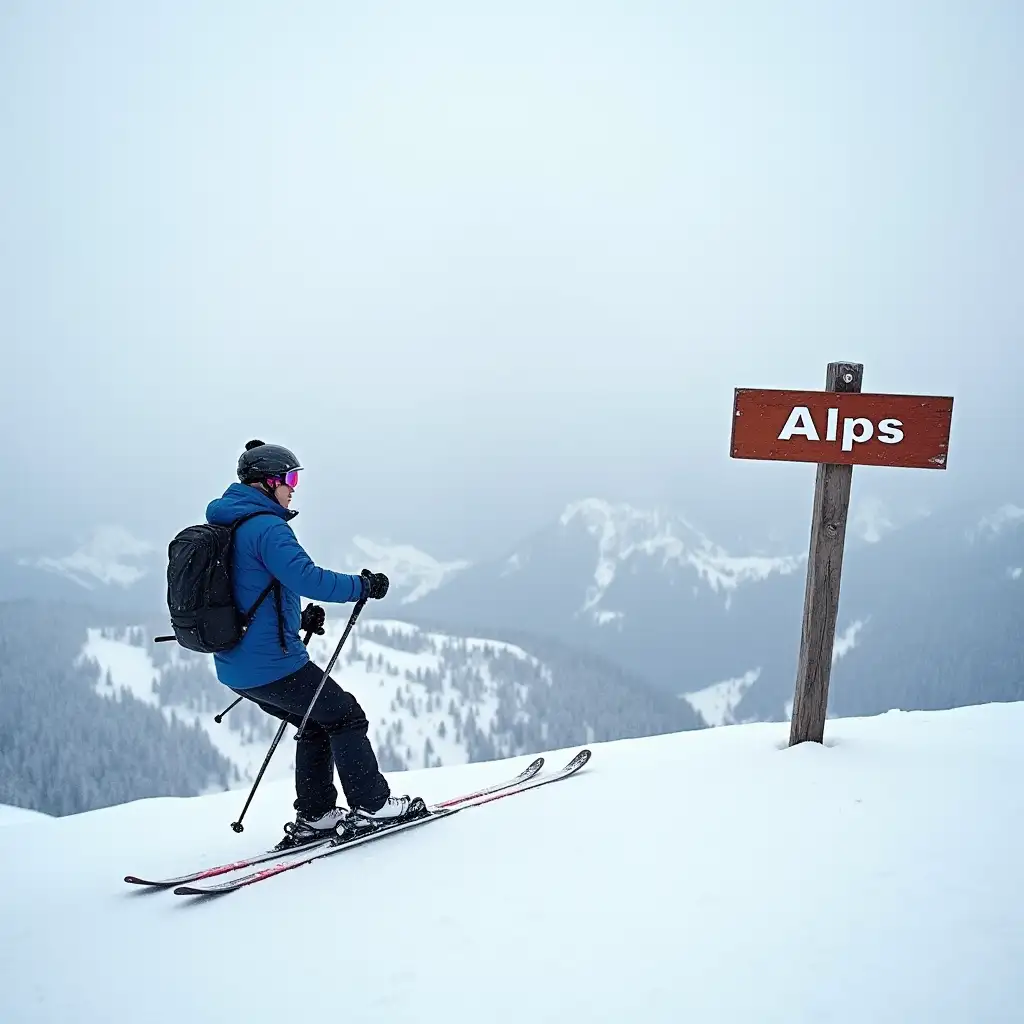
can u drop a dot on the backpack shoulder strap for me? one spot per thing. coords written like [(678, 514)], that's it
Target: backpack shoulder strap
[(274, 585)]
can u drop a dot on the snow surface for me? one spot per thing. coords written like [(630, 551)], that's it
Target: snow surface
[(106, 559), (874, 879), (21, 816)]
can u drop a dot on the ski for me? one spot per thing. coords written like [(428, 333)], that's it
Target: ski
[(260, 858), (347, 843)]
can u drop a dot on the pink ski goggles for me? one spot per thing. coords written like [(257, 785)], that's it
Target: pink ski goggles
[(290, 479)]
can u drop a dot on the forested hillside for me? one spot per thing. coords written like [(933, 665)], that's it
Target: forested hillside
[(63, 748)]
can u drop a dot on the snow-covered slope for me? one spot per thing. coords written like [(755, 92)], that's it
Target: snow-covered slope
[(875, 879), (432, 702), (431, 698), (717, 703), (127, 667), (20, 815)]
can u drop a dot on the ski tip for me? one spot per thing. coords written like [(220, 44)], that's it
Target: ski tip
[(578, 761), (187, 890)]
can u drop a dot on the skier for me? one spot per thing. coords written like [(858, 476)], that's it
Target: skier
[(270, 665)]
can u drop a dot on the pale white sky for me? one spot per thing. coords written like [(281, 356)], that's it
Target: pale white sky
[(474, 260)]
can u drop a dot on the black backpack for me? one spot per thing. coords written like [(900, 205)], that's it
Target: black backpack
[(199, 597)]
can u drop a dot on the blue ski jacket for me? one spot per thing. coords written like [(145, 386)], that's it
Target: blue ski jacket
[(266, 548)]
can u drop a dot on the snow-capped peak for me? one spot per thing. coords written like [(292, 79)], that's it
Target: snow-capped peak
[(623, 532), (408, 568), (108, 557)]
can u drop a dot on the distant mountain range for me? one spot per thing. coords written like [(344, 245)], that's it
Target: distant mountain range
[(930, 611), (114, 570), (110, 569), (645, 589), (930, 608)]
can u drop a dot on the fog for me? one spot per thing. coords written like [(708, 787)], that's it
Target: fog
[(471, 261)]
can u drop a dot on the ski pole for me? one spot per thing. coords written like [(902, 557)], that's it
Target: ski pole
[(334, 657), (219, 718), (237, 825)]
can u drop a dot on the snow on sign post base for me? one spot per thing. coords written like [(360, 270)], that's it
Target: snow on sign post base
[(837, 428)]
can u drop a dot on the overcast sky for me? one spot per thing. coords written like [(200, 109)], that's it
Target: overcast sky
[(472, 260)]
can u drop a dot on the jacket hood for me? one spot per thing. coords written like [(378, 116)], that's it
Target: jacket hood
[(239, 500)]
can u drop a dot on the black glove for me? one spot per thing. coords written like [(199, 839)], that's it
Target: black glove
[(312, 620), (376, 584)]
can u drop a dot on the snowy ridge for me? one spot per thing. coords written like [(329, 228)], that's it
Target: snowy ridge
[(411, 571), (110, 557), (900, 837), (623, 532)]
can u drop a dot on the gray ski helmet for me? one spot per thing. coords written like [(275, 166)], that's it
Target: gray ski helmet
[(260, 461)]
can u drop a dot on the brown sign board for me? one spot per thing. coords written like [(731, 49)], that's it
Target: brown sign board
[(843, 428)]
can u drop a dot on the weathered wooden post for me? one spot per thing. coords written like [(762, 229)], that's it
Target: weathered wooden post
[(837, 428), (824, 571)]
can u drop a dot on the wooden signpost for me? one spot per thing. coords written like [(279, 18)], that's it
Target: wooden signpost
[(837, 428)]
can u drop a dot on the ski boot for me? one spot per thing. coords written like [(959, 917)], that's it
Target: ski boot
[(307, 830), (396, 809)]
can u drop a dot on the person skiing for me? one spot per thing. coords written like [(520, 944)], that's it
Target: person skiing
[(271, 667)]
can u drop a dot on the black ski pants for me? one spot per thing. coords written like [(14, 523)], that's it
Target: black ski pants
[(335, 735)]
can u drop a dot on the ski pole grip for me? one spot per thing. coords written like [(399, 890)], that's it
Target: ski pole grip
[(334, 657)]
